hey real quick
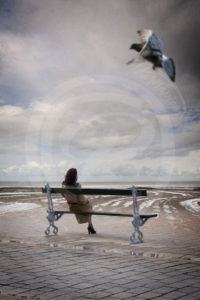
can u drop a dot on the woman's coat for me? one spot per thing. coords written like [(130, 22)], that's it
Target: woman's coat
[(78, 203)]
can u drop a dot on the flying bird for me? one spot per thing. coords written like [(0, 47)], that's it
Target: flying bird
[(150, 49)]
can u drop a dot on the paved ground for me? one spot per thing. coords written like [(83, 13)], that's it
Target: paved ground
[(44, 272)]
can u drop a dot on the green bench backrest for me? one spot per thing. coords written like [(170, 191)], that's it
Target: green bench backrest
[(94, 191)]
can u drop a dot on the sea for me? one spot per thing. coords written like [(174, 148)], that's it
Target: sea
[(188, 185)]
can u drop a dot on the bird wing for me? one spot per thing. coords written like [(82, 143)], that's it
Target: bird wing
[(169, 67), (137, 47), (152, 43), (155, 42)]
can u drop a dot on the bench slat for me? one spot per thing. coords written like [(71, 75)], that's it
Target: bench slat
[(91, 191), (102, 213)]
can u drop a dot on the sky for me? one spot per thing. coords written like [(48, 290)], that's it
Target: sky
[(68, 98)]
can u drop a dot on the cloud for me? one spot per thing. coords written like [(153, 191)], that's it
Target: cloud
[(32, 166), (68, 97), (44, 44), (98, 113), (28, 63), (101, 126)]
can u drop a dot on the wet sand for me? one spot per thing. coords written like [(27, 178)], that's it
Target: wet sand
[(23, 217)]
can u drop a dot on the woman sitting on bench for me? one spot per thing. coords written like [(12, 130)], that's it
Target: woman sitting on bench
[(78, 202)]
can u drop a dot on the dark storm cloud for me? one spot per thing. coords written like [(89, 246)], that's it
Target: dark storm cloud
[(15, 15), (107, 27)]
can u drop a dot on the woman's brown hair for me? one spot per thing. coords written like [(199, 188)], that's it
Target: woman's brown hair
[(71, 176)]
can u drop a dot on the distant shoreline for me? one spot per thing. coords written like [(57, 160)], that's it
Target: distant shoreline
[(186, 185)]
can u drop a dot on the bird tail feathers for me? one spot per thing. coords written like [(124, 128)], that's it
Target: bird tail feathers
[(174, 69), (169, 67)]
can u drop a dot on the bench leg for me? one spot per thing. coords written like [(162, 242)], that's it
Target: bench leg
[(51, 219), (137, 236)]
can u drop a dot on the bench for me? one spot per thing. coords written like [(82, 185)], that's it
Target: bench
[(138, 220)]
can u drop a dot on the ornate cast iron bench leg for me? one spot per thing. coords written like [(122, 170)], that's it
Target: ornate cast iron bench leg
[(51, 214), (51, 218), (136, 236)]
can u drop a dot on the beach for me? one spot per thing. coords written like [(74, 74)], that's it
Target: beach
[(23, 214)]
